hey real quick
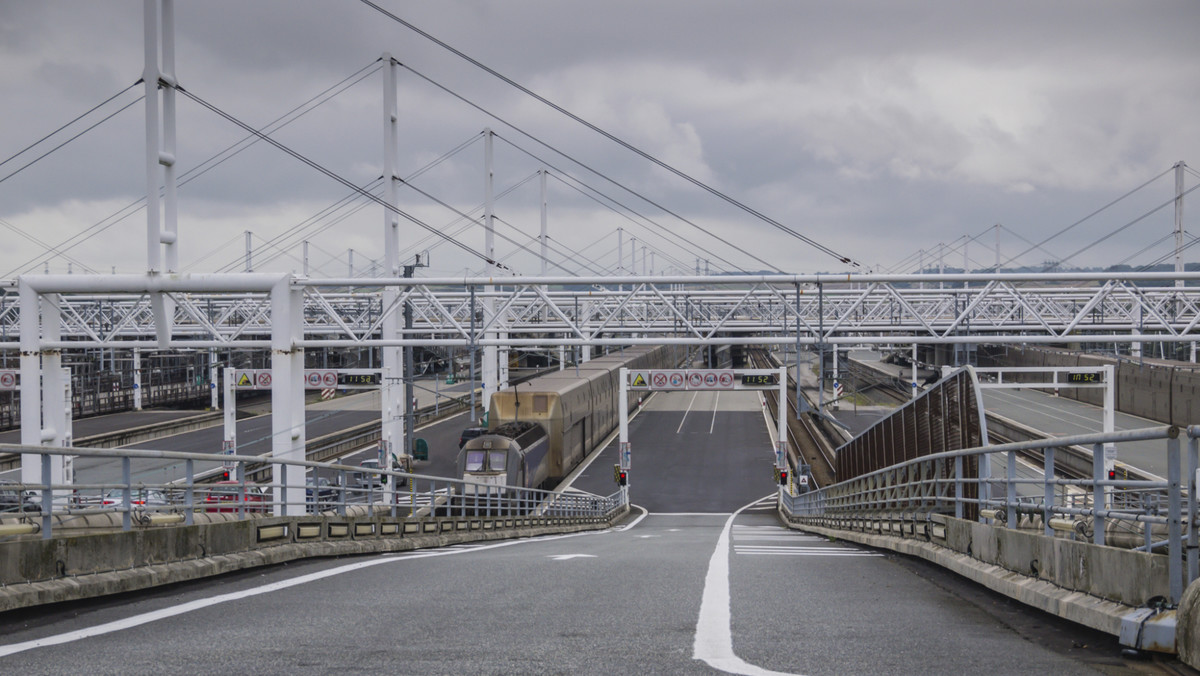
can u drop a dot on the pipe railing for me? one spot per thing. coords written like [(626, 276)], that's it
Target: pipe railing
[(1099, 507), (368, 490)]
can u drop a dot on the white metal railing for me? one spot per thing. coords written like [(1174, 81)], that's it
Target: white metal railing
[(369, 490), (1103, 506)]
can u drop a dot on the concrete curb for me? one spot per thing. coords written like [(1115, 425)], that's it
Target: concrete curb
[(1076, 606), (15, 596)]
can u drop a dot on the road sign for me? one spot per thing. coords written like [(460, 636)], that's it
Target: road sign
[(658, 380), (328, 393), (8, 380), (245, 380), (329, 379), (725, 380), (638, 380), (312, 379), (676, 379), (263, 379), (695, 380)]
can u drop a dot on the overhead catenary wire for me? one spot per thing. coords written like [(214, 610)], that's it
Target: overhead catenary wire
[(212, 162), (589, 168), (327, 172), (98, 106), (628, 146)]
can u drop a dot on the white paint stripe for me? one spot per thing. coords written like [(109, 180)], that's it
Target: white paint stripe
[(712, 425), (635, 521), (714, 636), (803, 553), (146, 618), (685, 413)]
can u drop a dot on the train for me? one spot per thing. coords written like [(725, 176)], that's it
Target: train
[(541, 429)]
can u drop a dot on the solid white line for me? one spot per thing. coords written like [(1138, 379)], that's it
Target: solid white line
[(714, 636), (146, 618), (713, 424), (689, 410), (635, 521)]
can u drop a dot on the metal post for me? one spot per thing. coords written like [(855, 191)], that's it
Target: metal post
[(1193, 537), (544, 236), (624, 455), (213, 371), (1174, 518), (190, 497), (150, 77), (170, 235), (229, 446), (1099, 493), (287, 393), (1048, 492), (137, 379), (392, 390), (491, 374), (473, 352), (1179, 167), (914, 371)]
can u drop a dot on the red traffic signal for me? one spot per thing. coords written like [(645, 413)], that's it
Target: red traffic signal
[(1112, 475), (783, 476), (623, 478)]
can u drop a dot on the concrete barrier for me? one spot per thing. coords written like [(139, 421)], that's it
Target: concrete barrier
[(96, 558), (1093, 585), (1187, 626)]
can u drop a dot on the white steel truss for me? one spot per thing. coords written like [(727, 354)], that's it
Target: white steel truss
[(234, 310)]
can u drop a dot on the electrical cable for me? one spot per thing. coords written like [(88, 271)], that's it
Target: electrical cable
[(94, 109), (628, 146)]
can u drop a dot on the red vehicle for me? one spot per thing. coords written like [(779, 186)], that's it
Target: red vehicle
[(226, 496)]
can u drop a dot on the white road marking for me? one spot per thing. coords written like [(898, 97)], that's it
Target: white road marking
[(713, 424), (714, 637), (800, 551), (689, 410), (154, 616), (567, 557)]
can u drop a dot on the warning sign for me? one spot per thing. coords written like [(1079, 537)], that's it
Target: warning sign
[(8, 380), (245, 380), (638, 380), (264, 380)]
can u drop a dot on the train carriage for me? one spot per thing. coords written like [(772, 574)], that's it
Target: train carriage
[(576, 408)]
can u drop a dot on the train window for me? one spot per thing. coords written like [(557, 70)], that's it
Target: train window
[(474, 461), (496, 461), (541, 403)]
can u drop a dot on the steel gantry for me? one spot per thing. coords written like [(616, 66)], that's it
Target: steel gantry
[(234, 310)]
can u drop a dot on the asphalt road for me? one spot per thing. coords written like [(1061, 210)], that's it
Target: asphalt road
[(683, 590)]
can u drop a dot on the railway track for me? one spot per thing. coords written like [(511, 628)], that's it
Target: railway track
[(806, 441)]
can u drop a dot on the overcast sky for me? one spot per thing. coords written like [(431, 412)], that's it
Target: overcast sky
[(877, 129)]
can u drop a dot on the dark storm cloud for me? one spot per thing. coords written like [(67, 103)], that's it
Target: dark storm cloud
[(877, 128)]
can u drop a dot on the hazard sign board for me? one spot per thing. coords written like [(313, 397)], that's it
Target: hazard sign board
[(248, 379), (684, 379)]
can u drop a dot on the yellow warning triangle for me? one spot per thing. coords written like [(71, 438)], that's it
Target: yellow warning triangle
[(244, 380), (639, 380)]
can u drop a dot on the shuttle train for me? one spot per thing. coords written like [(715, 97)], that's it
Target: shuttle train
[(542, 429)]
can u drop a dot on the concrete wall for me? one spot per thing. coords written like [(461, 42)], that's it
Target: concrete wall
[(88, 562)]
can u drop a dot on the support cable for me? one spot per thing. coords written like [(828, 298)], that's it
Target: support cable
[(330, 174), (628, 146)]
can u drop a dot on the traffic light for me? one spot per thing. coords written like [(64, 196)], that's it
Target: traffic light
[(783, 474), (1112, 475), (623, 478)]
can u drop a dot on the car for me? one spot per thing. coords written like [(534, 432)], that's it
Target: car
[(469, 434), (12, 499), (368, 478), (321, 493), (226, 496), (138, 497)]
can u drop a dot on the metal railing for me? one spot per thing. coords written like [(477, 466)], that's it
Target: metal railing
[(47, 506), (1148, 515)]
